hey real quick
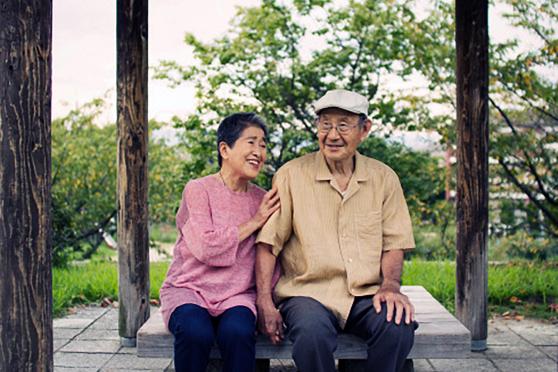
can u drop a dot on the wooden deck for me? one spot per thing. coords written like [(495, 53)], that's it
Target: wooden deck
[(440, 335)]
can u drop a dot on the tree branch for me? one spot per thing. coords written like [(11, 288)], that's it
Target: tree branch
[(528, 161)]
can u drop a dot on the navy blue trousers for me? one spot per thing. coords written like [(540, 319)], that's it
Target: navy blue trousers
[(195, 332), (313, 330)]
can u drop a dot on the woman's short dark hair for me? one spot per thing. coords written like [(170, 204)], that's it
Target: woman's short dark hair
[(232, 127)]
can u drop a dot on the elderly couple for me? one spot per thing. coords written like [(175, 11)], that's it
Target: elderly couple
[(336, 221)]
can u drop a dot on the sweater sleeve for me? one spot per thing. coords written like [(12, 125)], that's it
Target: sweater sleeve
[(213, 245)]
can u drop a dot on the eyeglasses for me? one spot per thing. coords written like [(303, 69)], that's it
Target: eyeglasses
[(342, 128)]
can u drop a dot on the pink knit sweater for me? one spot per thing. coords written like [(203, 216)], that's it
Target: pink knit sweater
[(210, 267)]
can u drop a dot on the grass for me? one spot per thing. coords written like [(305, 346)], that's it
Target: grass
[(91, 282), (521, 287), (525, 288)]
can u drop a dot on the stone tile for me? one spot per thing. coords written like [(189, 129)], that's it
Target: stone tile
[(539, 365), (99, 334), (58, 343), (102, 346), (551, 351), (72, 323), (513, 352), (422, 365), (463, 365), (88, 312), (105, 322), (129, 361), (65, 333), (540, 337), (78, 369), (81, 360), (499, 334), (128, 350), (535, 332)]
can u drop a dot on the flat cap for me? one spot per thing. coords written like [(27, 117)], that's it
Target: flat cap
[(343, 99)]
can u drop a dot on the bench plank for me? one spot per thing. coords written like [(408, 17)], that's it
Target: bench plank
[(440, 335)]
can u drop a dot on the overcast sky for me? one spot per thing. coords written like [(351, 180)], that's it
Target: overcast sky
[(84, 49)]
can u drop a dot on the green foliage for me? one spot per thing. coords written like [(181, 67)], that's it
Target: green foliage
[(523, 245), (258, 66), (532, 282), (90, 283), (523, 102), (84, 182)]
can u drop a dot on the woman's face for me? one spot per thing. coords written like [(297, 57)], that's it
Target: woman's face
[(247, 156)]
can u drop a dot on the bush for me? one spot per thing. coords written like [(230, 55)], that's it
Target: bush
[(522, 245)]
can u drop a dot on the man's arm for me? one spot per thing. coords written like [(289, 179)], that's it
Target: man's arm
[(390, 290), (269, 318)]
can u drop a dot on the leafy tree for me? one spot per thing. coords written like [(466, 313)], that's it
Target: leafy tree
[(84, 182), (523, 98), (258, 66)]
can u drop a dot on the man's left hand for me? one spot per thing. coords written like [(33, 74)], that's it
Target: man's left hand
[(395, 302)]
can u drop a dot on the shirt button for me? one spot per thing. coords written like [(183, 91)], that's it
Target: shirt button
[(350, 260)]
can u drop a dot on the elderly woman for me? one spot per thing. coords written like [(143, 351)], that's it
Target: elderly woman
[(209, 294)]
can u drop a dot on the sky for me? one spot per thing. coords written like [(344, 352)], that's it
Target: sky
[(84, 50)]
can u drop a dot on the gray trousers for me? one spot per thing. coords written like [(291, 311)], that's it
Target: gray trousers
[(313, 330)]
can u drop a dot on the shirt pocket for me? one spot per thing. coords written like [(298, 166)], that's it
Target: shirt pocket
[(369, 235)]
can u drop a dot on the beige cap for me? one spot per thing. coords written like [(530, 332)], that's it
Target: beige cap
[(343, 99)]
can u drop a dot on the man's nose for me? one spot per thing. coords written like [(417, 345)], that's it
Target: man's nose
[(333, 134)]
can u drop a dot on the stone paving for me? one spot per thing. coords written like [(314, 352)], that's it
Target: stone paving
[(88, 341)]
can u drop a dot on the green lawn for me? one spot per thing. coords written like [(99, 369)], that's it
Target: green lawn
[(527, 288)]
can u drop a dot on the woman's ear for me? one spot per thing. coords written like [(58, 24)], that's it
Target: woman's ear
[(224, 150)]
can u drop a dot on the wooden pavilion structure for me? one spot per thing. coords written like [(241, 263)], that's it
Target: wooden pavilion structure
[(26, 340)]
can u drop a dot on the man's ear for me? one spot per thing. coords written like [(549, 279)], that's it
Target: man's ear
[(366, 129)]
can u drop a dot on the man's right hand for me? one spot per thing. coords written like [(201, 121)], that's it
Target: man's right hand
[(270, 321)]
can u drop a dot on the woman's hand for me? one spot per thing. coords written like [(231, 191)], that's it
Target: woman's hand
[(270, 203)]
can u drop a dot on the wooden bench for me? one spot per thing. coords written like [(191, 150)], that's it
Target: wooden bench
[(440, 335)]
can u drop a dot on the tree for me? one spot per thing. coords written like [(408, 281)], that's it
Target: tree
[(84, 181), (523, 98), (259, 66)]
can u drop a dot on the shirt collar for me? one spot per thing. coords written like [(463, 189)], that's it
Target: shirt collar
[(323, 173)]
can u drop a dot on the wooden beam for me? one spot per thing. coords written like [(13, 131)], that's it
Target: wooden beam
[(472, 167), (132, 220), (25, 160)]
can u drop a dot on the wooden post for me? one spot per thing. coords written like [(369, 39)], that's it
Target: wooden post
[(472, 167), (25, 179), (132, 223)]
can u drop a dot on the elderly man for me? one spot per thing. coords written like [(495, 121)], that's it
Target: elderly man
[(340, 237)]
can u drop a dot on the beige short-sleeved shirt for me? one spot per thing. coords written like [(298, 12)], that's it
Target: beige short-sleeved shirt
[(330, 243)]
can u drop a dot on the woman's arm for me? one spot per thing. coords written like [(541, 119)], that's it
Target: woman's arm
[(216, 245), (268, 205)]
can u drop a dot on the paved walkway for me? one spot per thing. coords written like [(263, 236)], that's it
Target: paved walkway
[(88, 341)]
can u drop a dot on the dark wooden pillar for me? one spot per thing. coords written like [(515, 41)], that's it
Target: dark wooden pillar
[(472, 167), (133, 241), (25, 247)]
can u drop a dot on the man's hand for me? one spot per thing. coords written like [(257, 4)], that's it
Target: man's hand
[(395, 300), (270, 321)]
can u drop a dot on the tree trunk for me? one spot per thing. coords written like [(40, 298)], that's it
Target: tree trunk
[(472, 167), (25, 180), (132, 222)]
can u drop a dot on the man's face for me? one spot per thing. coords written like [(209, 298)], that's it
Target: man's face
[(338, 146)]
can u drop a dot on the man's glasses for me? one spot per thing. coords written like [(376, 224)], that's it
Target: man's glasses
[(342, 128)]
